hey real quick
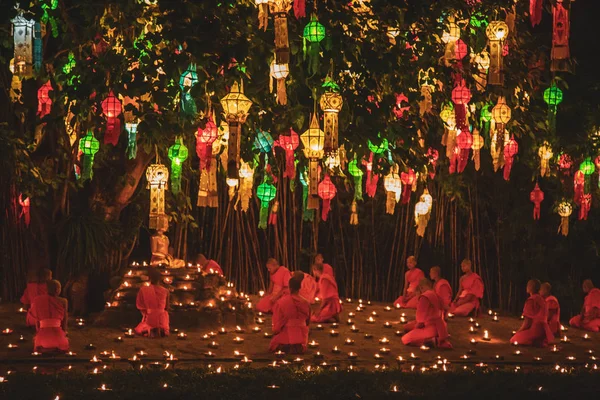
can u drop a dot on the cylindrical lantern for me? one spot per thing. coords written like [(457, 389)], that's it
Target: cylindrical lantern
[(204, 142), (265, 193), (313, 140), (111, 107), (279, 72), (510, 150), (235, 106), (187, 80), (408, 180), (536, 196), (44, 100), (553, 96), (331, 103), (157, 176), (560, 38), (23, 32), (565, 209), (327, 192), (279, 9), (289, 143), (393, 187), (546, 154), (497, 32), (314, 33), (178, 153), (89, 146), (450, 36)]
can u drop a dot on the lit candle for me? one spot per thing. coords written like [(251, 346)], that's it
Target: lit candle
[(490, 312), (486, 336), (464, 357), (181, 336), (349, 341), (499, 357), (319, 327), (260, 321), (142, 353), (517, 353), (384, 351), (90, 347), (388, 308), (565, 339), (586, 337), (471, 320), (261, 293), (399, 333), (335, 350), (537, 358), (256, 329), (397, 306), (387, 325), (571, 358), (350, 321), (368, 336), (473, 341), (450, 315), (313, 344), (238, 329), (471, 329), (555, 349), (129, 333), (279, 354), (209, 354), (222, 331), (424, 348), (7, 331), (400, 360), (268, 335), (22, 310), (354, 329), (246, 361), (371, 320), (374, 313), (104, 388), (384, 340), (213, 345), (402, 320), (351, 314), (496, 318), (352, 355), (413, 356), (119, 339), (95, 360), (238, 340), (21, 338), (212, 334), (334, 333)]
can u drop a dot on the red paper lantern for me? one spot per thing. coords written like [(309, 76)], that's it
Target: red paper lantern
[(111, 107), (44, 100), (327, 192), (289, 144), (536, 196), (461, 94), (510, 150), (408, 179), (565, 162), (204, 141), (460, 49)]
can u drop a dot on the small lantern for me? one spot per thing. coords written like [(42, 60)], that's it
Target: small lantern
[(331, 103), (476, 146), (204, 142), (327, 192), (178, 153), (560, 38), (187, 80), (546, 154), (408, 180), (265, 193), (246, 182), (279, 9), (510, 150), (313, 140), (263, 142), (423, 212), (553, 96), (23, 34), (464, 142), (536, 196), (314, 33), (460, 49), (131, 128), (565, 162), (450, 36), (111, 107), (157, 176), (289, 143), (89, 146), (393, 187), (44, 100), (357, 173), (565, 209), (235, 106), (497, 32), (279, 72)]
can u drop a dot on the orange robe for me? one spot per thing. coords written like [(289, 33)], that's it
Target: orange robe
[(412, 277), (591, 313), (152, 303), (553, 320), (328, 269), (50, 312), (281, 283), (212, 268), (291, 317), (330, 303), (429, 313), (538, 333), (469, 284), (309, 288), (32, 290), (444, 291)]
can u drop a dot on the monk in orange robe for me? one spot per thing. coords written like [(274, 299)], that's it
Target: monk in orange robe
[(291, 317), (327, 269), (430, 327), (330, 298), (589, 318), (441, 287), (208, 266), (36, 285), (553, 308), (50, 312), (535, 330), (309, 287), (278, 286), (411, 285), (470, 292), (152, 301)]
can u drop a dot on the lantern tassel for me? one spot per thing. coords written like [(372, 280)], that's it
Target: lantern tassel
[(281, 92), (290, 165), (313, 56), (535, 11), (273, 215), (113, 129), (390, 203), (132, 144), (299, 8), (325, 209), (586, 204), (477, 159), (307, 215), (406, 190), (508, 161), (354, 213), (88, 168), (564, 226), (264, 215), (358, 193), (188, 105), (263, 16)]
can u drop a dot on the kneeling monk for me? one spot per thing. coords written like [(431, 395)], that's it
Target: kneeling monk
[(152, 301), (309, 287), (330, 298), (50, 311), (553, 308), (470, 292), (208, 266), (589, 319), (411, 284), (535, 330), (36, 285), (430, 326), (291, 317), (278, 286)]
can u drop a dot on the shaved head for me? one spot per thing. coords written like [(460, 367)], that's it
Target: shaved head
[(588, 285), (435, 273), (272, 265), (533, 286), (425, 284), (54, 287), (545, 289), (411, 262)]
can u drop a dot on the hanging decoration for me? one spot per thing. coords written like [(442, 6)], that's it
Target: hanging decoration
[(553, 96), (299, 8), (450, 36), (560, 38), (89, 146), (44, 100), (245, 189), (157, 176), (449, 136), (501, 114), (372, 179), (289, 144), (357, 174), (178, 153), (408, 180), (327, 192), (207, 190), (235, 106), (546, 154), (423, 212), (279, 72), (497, 32), (265, 193), (313, 141), (263, 13), (204, 142), (565, 209), (131, 128), (482, 62), (273, 214), (535, 12), (308, 214), (586, 169), (354, 213), (331, 103), (314, 33), (111, 108), (536, 196), (279, 9), (510, 150), (25, 209), (263, 142), (23, 35), (485, 122), (476, 145), (427, 88), (393, 188), (432, 155), (187, 80)]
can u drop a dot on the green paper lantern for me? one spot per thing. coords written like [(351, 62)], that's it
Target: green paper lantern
[(89, 146), (553, 96), (383, 146), (265, 193), (357, 173), (263, 142), (587, 167), (314, 32), (187, 80), (178, 153)]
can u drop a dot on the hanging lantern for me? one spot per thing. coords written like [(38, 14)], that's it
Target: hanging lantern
[(354, 213), (553, 96), (245, 189), (307, 214), (208, 195), (314, 33), (279, 72), (235, 106), (289, 143), (25, 209), (501, 114), (357, 173), (510, 150), (497, 32), (89, 146), (545, 153), (178, 153), (408, 180), (565, 162), (131, 128), (423, 212), (263, 142), (23, 34), (535, 12), (313, 140), (187, 80), (432, 155), (586, 204), (586, 169), (372, 179), (263, 13), (460, 49), (476, 145), (204, 142), (279, 9), (560, 38), (427, 87), (482, 62), (536, 196), (485, 120), (331, 103), (393, 187), (44, 100), (449, 137), (327, 192), (265, 193), (157, 176), (565, 209), (111, 107)]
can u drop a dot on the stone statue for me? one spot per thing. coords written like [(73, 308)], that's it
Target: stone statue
[(159, 244)]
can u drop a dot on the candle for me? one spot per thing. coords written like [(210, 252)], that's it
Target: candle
[(387, 325), (268, 335), (374, 313), (471, 330), (71, 354), (499, 357), (496, 318), (413, 356), (350, 321), (22, 310), (354, 329), (397, 306), (471, 320), (104, 388), (384, 350), (555, 349), (319, 327), (490, 312), (384, 340), (209, 354), (351, 314), (517, 353), (181, 336), (349, 341), (368, 336), (238, 340), (261, 293), (565, 339), (424, 348), (586, 337), (95, 360), (352, 355), (7, 331), (222, 331), (400, 360), (571, 358), (129, 333), (119, 339), (142, 353), (377, 356), (388, 308), (335, 325), (238, 329), (399, 333), (279, 354), (334, 333), (464, 357), (90, 347), (537, 358), (402, 320), (371, 320), (21, 338), (213, 345), (246, 360), (313, 344), (359, 309), (473, 341), (256, 329), (486, 336), (260, 321), (318, 355), (212, 334), (335, 350)]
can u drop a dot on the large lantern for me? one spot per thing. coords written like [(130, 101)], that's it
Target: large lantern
[(497, 32), (187, 80), (89, 146), (393, 188), (510, 150), (536, 196), (265, 193), (204, 142), (235, 106), (553, 96), (560, 38), (157, 176), (331, 103), (279, 72), (357, 174), (546, 154), (314, 33), (327, 192), (23, 33), (178, 153), (565, 209), (111, 107), (313, 140), (279, 9), (289, 143), (44, 100)]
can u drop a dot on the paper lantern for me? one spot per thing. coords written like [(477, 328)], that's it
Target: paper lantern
[(131, 128), (245, 186), (560, 38), (546, 154), (289, 143), (235, 106), (450, 36), (313, 140), (536, 196), (89, 146), (157, 176), (208, 195), (357, 174), (565, 162), (535, 12), (422, 214), (510, 150), (23, 34), (485, 119), (501, 113), (265, 193), (279, 72), (553, 96), (187, 80), (464, 142), (205, 138), (178, 153), (408, 180), (393, 187), (327, 192), (461, 95), (565, 209), (331, 103), (587, 167), (314, 33), (111, 108), (476, 146), (460, 49), (44, 100), (279, 9), (263, 141), (497, 32)]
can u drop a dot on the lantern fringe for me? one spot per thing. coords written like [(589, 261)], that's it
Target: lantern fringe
[(421, 221), (406, 190), (477, 159), (188, 105), (132, 145), (307, 215), (535, 12), (281, 92), (290, 165), (264, 215), (263, 16), (88, 168), (390, 202), (273, 215), (113, 129), (358, 193), (564, 226), (371, 185), (325, 209), (586, 204), (508, 161), (312, 53), (299, 8)]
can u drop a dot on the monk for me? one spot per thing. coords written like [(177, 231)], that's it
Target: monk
[(553, 308), (309, 287), (470, 292), (430, 327), (50, 312), (330, 298), (535, 330), (152, 301), (411, 284), (327, 269), (589, 318), (441, 287), (291, 317), (208, 266), (36, 285), (278, 286)]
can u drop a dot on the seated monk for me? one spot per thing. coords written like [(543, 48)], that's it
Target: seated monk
[(589, 318), (159, 245), (553, 308), (327, 269), (152, 301), (208, 266), (278, 286), (535, 330), (411, 285), (291, 318), (308, 290), (441, 287), (36, 285), (330, 298), (469, 294), (430, 327), (50, 312)]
